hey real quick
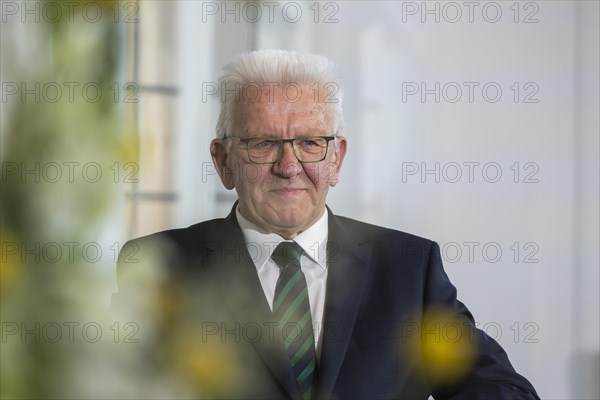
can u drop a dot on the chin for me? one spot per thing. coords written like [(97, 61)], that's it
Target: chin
[(292, 221)]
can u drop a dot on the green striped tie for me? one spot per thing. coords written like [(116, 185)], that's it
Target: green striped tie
[(292, 310)]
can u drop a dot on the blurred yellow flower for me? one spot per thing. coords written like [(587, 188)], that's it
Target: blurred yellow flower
[(448, 345), (209, 366)]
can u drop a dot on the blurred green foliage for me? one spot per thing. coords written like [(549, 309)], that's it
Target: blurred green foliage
[(59, 338), (39, 291)]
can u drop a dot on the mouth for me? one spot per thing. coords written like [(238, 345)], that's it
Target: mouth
[(288, 191)]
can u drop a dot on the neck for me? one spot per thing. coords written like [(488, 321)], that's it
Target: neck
[(286, 232)]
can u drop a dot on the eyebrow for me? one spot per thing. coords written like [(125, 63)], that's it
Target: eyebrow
[(270, 135)]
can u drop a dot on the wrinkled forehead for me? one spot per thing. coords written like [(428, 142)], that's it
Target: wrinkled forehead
[(285, 107)]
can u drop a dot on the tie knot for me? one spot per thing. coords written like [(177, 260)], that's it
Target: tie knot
[(287, 253)]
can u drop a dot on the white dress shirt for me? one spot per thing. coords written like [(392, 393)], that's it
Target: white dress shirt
[(312, 262)]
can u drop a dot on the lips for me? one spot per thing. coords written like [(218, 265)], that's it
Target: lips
[(288, 190)]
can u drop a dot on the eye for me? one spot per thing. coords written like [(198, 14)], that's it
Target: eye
[(264, 144), (309, 143)]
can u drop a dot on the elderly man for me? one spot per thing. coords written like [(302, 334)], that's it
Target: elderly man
[(295, 301)]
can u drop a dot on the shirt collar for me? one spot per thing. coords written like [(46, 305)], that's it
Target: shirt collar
[(260, 244)]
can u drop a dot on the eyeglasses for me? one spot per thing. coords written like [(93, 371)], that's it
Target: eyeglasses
[(307, 149)]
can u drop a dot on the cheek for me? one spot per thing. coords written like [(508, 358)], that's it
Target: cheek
[(252, 178), (318, 174)]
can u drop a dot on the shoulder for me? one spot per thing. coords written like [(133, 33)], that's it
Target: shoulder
[(370, 232), (173, 253), (178, 243), (387, 245), (182, 235)]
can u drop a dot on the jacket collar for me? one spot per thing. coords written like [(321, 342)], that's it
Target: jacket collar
[(232, 269), (348, 262)]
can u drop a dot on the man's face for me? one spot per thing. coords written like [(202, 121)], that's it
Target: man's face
[(286, 197)]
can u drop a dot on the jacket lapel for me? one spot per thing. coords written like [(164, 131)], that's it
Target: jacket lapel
[(348, 266), (229, 263)]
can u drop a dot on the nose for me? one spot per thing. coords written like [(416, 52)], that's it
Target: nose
[(288, 165)]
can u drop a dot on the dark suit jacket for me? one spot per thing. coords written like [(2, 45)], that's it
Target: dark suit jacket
[(380, 284)]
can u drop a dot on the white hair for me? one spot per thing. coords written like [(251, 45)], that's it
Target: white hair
[(282, 67)]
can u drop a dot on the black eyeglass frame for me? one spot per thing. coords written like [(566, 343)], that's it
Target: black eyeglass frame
[(247, 141)]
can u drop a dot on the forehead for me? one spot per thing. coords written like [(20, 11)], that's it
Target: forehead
[(284, 108)]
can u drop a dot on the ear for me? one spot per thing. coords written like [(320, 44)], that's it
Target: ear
[(220, 159), (337, 160)]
